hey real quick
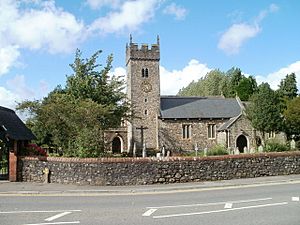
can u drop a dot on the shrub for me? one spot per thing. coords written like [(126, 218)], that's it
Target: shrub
[(217, 150), (273, 146)]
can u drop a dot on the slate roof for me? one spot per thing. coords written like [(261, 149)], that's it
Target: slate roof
[(198, 107), (13, 126), (226, 125)]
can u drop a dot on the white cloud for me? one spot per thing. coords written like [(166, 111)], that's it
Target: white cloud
[(97, 4), (128, 17), (237, 34), (20, 88), (274, 78), (232, 40), (48, 28), (8, 56), (178, 11), (8, 99), (172, 81), (41, 27), (119, 72)]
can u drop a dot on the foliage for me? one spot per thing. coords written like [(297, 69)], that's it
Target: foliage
[(292, 118), (264, 110), (210, 85), (273, 146), (73, 118), (288, 87), (217, 150), (234, 76), (228, 84), (246, 88)]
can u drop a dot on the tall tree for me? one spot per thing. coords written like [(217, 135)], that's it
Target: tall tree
[(246, 88), (288, 87), (264, 110), (234, 75), (292, 118), (228, 84), (210, 85), (75, 117)]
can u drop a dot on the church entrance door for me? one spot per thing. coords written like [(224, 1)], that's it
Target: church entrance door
[(116, 145), (241, 143)]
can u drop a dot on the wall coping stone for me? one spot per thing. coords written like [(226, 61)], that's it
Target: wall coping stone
[(154, 159)]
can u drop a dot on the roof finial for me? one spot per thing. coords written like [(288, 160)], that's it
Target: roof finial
[(157, 39), (130, 39)]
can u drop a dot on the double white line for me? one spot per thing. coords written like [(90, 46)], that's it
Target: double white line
[(227, 207)]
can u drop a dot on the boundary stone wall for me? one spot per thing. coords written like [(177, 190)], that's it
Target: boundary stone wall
[(135, 171)]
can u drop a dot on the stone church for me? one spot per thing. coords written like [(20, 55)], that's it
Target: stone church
[(172, 122)]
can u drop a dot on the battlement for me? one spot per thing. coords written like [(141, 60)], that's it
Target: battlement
[(143, 51)]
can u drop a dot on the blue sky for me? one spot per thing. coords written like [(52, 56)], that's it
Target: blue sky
[(38, 39)]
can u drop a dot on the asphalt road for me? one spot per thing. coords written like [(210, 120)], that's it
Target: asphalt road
[(262, 204)]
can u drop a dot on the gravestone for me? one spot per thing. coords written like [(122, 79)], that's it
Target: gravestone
[(144, 151), (163, 151), (293, 144), (134, 150), (196, 149), (236, 151)]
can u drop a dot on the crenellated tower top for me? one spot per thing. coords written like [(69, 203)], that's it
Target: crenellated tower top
[(143, 51)]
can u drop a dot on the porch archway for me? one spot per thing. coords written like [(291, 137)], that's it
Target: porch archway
[(241, 143), (117, 145)]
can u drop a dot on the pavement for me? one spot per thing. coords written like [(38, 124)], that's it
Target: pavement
[(28, 188)]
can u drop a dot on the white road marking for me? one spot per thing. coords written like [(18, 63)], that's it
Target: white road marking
[(44, 211), (218, 211), (211, 203), (74, 222), (149, 212), (295, 199), (228, 206), (57, 216)]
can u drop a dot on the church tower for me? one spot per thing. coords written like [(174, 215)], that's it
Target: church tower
[(143, 91)]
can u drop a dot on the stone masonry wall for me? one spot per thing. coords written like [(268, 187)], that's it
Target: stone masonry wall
[(170, 134), (134, 171)]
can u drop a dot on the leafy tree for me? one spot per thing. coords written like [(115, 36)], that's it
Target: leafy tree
[(234, 75), (75, 117), (292, 118), (246, 88), (264, 111), (210, 85), (287, 90), (288, 87), (228, 84)]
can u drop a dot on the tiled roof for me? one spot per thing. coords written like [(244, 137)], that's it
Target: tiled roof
[(198, 107), (13, 126)]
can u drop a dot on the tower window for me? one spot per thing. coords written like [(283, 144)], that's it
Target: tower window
[(146, 99), (145, 72), (146, 112)]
